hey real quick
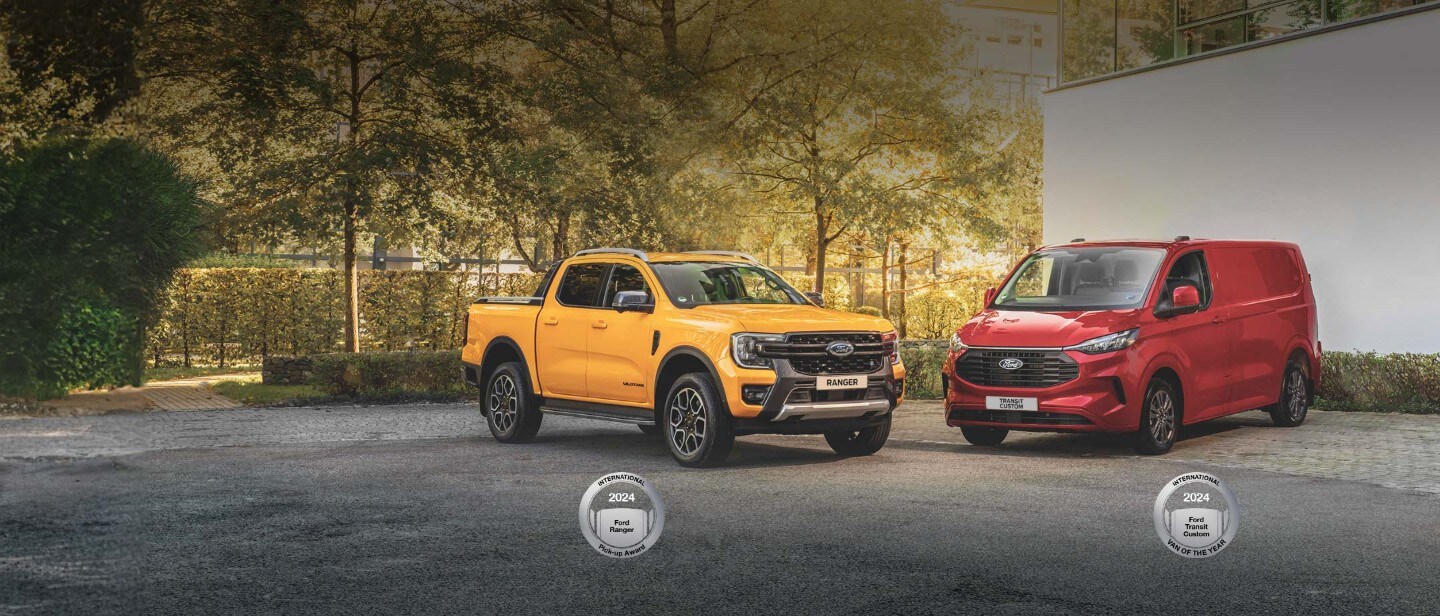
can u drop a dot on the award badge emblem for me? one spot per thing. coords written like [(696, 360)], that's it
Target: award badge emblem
[(621, 515), (1196, 515)]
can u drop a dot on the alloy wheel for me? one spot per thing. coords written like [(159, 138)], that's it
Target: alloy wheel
[(1162, 416), (1296, 390), (504, 402), (686, 417)]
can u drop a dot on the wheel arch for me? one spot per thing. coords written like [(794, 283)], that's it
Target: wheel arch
[(1170, 374), (499, 350), (679, 361)]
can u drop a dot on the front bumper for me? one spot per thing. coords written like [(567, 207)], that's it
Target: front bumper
[(793, 399), (1103, 397)]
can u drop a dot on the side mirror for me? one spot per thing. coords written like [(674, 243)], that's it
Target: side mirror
[(989, 296), (632, 301), (815, 298), (1185, 296), (1184, 299)]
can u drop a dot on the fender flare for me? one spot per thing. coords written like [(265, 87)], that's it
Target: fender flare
[(678, 351), (506, 341)]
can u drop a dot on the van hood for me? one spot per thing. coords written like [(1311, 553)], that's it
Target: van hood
[(783, 318), (1024, 328)]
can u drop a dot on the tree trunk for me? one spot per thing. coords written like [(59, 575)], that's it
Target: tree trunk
[(885, 278), (822, 244), (668, 31), (904, 287), (352, 279)]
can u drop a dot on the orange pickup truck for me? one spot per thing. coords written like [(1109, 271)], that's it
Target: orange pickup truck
[(698, 346)]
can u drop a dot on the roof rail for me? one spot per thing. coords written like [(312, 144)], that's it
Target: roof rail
[(725, 253), (639, 254)]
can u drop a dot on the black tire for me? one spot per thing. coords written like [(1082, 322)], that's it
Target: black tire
[(1159, 419), (1294, 403), (697, 424), (650, 430), (511, 410), (984, 437), (860, 442)]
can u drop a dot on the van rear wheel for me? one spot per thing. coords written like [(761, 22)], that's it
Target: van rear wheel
[(1294, 402), (984, 437), (1159, 419)]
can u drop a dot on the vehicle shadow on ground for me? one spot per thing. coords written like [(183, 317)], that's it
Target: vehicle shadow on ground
[(643, 448), (1085, 445)]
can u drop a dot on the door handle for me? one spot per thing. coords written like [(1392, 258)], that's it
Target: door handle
[(552, 321), (599, 325), (1218, 320)]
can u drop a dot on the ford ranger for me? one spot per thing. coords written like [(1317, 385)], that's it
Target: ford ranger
[(698, 346)]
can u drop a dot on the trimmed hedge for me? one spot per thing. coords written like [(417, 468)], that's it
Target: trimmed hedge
[(1399, 382), (418, 374), (230, 315)]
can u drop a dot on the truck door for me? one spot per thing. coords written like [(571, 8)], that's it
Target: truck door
[(563, 328), (620, 343)]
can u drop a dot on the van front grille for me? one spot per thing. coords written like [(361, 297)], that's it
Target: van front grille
[(1036, 368)]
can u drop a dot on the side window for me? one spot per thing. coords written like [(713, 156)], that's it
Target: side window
[(581, 285), (1189, 269), (625, 278)]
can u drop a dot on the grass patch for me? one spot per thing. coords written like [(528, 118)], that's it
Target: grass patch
[(255, 393), (170, 373)]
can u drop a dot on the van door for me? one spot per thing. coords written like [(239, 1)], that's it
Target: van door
[(620, 343), (563, 329), (1262, 291), (1201, 339)]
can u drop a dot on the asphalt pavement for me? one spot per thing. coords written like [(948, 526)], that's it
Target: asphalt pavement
[(414, 509)]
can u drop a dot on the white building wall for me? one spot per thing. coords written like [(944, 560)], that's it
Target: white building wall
[(1330, 140)]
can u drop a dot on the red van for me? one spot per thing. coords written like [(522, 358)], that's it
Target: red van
[(1137, 336)]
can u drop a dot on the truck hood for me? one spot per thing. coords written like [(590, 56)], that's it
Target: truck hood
[(782, 318), (1024, 328)]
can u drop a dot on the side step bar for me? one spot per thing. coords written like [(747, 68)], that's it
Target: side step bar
[(600, 415)]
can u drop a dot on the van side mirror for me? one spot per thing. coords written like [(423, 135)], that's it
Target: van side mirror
[(632, 301), (989, 296), (815, 298), (1184, 299)]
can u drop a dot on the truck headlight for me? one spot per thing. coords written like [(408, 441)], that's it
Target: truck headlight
[(890, 343), (956, 344), (1107, 343), (742, 348)]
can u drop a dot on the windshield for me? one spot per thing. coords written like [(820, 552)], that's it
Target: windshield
[(694, 283), (1081, 279)]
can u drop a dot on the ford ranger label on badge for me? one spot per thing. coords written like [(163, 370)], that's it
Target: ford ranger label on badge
[(699, 347)]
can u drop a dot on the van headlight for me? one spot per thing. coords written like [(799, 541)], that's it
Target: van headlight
[(1107, 343), (742, 348), (956, 344)]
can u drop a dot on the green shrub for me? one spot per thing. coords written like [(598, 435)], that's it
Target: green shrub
[(867, 310), (923, 360), (91, 231), (429, 374), (1399, 382)]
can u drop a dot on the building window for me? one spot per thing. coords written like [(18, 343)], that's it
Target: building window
[(1099, 37)]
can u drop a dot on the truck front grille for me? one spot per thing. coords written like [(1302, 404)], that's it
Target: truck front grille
[(807, 355), (1037, 368)]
